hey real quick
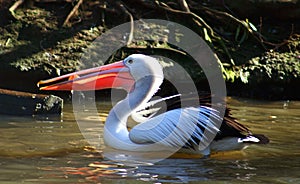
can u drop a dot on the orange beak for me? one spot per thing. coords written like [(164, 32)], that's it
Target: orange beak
[(115, 75)]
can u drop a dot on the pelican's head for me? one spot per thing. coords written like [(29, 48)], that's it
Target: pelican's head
[(140, 66), (122, 74)]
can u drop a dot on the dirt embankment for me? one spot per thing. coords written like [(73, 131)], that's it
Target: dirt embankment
[(259, 52)]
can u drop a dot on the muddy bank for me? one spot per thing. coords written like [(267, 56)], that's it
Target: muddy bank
[(259, 60)]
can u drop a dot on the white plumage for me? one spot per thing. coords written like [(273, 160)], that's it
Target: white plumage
[(174, 128)]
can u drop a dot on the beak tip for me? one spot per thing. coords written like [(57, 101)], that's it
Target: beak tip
[(42, 88)]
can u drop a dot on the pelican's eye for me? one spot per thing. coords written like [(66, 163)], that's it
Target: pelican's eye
[(130, 61)]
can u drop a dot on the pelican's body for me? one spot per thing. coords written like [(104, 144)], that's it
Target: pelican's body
[(187, 129)]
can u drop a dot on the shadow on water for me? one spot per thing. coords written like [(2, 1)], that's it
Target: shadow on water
[(51, 151)]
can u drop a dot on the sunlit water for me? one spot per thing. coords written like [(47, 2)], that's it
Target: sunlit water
[(34, 150)]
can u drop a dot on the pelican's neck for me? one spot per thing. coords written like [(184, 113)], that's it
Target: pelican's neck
[(116, 122)]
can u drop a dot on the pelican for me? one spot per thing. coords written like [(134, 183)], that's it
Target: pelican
[(185, 129)]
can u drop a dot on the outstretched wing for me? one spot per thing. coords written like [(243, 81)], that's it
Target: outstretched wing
[(178, 128)]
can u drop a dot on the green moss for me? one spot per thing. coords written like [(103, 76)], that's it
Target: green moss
[(275, 66)]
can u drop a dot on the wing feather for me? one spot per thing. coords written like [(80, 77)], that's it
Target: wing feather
[(229, 128), (178, 127)]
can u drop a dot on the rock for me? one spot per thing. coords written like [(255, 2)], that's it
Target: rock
[(29, 104)]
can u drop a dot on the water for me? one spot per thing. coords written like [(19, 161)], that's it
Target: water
[(34, 150)]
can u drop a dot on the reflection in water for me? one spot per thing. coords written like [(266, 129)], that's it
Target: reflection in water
[(52, 151)]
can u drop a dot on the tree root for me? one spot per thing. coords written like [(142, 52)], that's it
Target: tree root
[(72, 13)]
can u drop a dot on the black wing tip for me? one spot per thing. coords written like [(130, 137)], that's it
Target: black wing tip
[(262, 138)]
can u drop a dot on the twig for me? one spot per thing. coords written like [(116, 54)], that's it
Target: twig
[(256, 34), (74, 10), (15, 6), (263, 41), (201, 23), (184, 6), (103, 13), (130, 37), (260, 36), (227, 8), (197, 19), (244, 24)]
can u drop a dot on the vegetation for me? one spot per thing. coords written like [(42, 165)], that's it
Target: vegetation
[(257, 45)]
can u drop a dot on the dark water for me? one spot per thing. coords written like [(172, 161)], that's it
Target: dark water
[(34, 150)]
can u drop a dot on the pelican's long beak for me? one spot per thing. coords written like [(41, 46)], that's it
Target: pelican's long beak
[(115, 75)]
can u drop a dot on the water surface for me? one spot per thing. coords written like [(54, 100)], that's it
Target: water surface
[(35, 150)]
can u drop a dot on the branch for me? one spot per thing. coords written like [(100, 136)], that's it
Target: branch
[(184, 6), (123, 8), (197, 19), (15, 6), (74, 10)]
